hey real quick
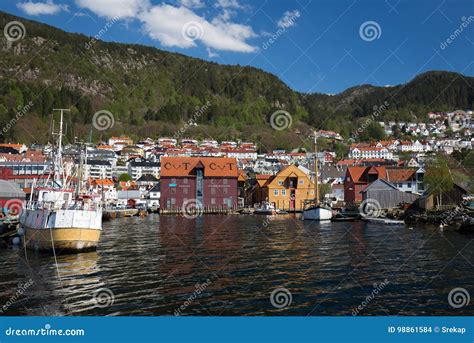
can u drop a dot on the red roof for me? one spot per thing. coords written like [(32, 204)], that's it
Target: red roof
[(395, 175), (213, 166), (356, 173)]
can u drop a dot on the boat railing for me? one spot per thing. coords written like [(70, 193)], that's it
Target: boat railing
[(67, 205)]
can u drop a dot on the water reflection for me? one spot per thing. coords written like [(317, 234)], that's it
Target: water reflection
[(151, 266)]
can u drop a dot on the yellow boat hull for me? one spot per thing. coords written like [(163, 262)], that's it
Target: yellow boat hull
[(65, 239)]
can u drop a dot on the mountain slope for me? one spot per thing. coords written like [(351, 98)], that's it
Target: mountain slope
[(152, 92)]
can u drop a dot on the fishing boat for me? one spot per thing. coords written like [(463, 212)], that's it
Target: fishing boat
[(265, 208), (57, 217), (313, 209)]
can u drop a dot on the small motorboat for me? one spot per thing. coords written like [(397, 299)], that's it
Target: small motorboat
[(265, 208), (317, 212)]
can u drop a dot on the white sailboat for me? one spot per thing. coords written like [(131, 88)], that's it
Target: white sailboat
[(56, 217), (313, 209)]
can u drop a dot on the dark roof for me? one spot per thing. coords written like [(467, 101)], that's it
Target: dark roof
[(333, 171), (144, 164), (147, 178), (8, 150)]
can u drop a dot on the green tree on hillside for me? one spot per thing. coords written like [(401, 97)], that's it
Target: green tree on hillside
[(124, 177), (438, 177)]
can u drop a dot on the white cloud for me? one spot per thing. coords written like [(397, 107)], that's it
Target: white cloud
[(211, 53), (115, 8), (288, 19), (191, 3), (40, 8), (228, 4), (181, 27), (178, 26)]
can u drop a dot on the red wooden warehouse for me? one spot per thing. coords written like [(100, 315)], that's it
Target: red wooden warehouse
[(211, 181)]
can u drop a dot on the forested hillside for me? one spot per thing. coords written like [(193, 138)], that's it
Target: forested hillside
[(153, 92)]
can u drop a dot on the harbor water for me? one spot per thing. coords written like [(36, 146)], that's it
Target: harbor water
[(236, 265)]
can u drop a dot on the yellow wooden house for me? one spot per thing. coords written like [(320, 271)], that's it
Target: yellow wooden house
[(288, 189)]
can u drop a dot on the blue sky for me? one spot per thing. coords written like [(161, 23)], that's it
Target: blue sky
[(314, 46)]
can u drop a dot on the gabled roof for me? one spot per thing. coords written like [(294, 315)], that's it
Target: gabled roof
[(185, 166), (400, 174), (379, 184), (357, 173), (147, 178)]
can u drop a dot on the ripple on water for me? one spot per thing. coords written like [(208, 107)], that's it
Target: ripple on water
[(218, 265)]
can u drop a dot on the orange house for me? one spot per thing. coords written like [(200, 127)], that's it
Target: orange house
[(288, 189)]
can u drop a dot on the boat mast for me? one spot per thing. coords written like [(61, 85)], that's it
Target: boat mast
[(58, 160), (316, 188)]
